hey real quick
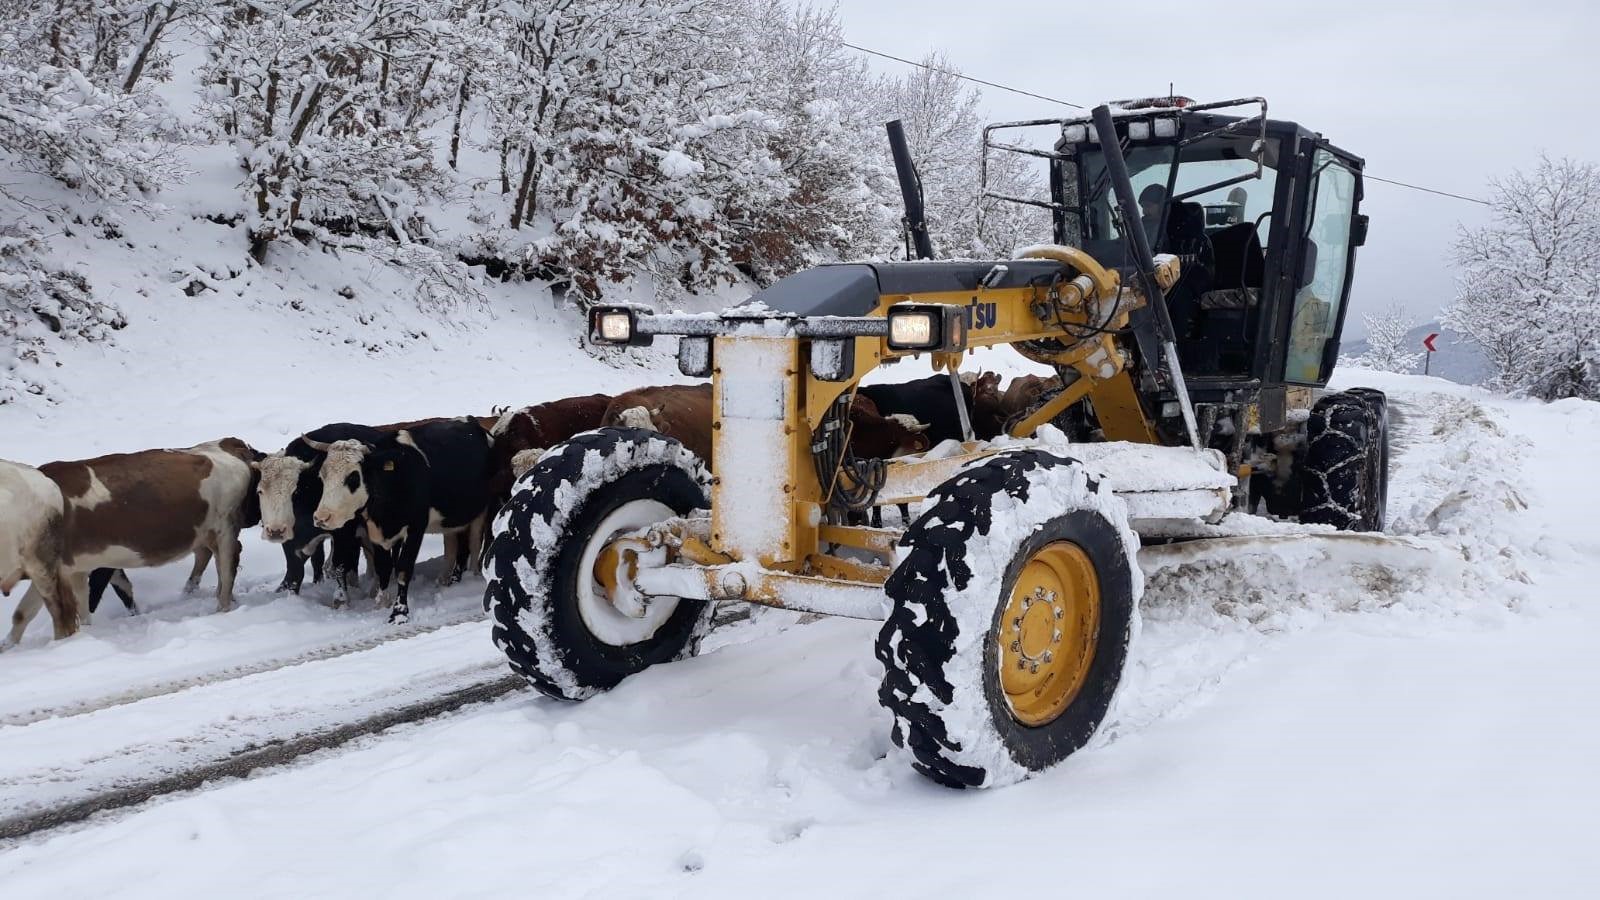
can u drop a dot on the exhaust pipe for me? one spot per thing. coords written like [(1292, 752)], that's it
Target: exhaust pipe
[(1143, 262), (916, 223)]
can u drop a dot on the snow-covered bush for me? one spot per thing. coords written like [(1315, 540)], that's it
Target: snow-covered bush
[(41, 303), (1389, 347), (1529, 291)]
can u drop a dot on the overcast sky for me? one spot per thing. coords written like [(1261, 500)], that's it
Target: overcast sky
[(1446, 95)]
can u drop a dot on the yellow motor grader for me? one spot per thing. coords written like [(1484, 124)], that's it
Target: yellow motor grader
[(1191, 305)]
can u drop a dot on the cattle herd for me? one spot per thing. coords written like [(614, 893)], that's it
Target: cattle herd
[(343, 491)]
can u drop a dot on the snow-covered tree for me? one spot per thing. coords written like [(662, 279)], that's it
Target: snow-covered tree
[(1389, 346), (944, 129), (828, 144), (323, 100), (1529, 290)]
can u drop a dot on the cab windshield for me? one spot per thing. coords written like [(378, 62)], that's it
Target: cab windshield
[(1205, 197)]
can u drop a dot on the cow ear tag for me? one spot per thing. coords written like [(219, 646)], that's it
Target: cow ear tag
[(389, 466)]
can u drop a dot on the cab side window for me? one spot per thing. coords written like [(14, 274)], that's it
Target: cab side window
[(1324, 269)]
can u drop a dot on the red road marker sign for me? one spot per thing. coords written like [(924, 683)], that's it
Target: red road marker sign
[(1428, 342)]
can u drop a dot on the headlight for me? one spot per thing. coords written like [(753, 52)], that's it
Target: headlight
[(913, 331), (914, 327), (617, 327)]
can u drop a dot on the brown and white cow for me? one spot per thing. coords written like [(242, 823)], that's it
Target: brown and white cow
[(679, 411), (683, 412), (539, 427), (135, 510), (30, 542)]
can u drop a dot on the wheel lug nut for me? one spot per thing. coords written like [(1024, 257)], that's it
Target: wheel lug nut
[(1047, 657), (1016, 646)]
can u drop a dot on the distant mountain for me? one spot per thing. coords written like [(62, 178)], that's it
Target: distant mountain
[(1459, 359)]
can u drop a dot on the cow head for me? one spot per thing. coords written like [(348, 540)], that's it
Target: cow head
[(905, 434), (344, 486), (277, 477), (525, 460), (878, 436)]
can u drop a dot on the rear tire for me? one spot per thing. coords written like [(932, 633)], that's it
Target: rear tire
[(984, 575), (1344, 473), (550, 616)]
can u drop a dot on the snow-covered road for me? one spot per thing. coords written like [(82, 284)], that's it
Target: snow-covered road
[(1298, 723)]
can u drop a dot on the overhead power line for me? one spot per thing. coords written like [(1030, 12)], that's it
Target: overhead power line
[(1015, 90), (1418, 187), (963, 77)]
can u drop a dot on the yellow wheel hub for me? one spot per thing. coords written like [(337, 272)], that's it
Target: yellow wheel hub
[(607, 564), (1047, 632)]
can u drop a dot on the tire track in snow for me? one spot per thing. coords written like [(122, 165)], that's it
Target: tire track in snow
[(233, 673), (724, 616), (295, 736), (246, 763)]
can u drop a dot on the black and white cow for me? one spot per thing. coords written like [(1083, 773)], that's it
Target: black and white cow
[(290, 489), (930, 401), (432, 478)]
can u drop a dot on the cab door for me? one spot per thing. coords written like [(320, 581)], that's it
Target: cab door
[(1331, 230)]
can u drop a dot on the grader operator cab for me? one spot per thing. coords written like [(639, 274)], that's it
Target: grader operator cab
[(1187, 394)]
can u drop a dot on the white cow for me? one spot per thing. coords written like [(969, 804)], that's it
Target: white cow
[(30, 543)]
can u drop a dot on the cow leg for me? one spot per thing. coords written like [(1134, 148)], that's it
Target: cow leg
[(382, 568), (227, 567), (905, 513), (294, 569), (99, 580), (318, 557), (55, 593), (371, 553), (124, 588), (405, 561), (202, 558), (342, 563), (39, 595), (452, 558), (475, 533), (74, 588)]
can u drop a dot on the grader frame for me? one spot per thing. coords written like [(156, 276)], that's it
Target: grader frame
[(768, 538)]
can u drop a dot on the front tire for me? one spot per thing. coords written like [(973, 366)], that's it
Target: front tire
[(551, 615), (1344, 473), (1013, 607)]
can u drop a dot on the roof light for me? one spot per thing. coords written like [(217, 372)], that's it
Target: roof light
[(1077, 134), (1166, 127), (1139, 130)]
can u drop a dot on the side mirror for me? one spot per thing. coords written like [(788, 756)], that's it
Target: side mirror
[(1358, 230), (1308, 263)]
